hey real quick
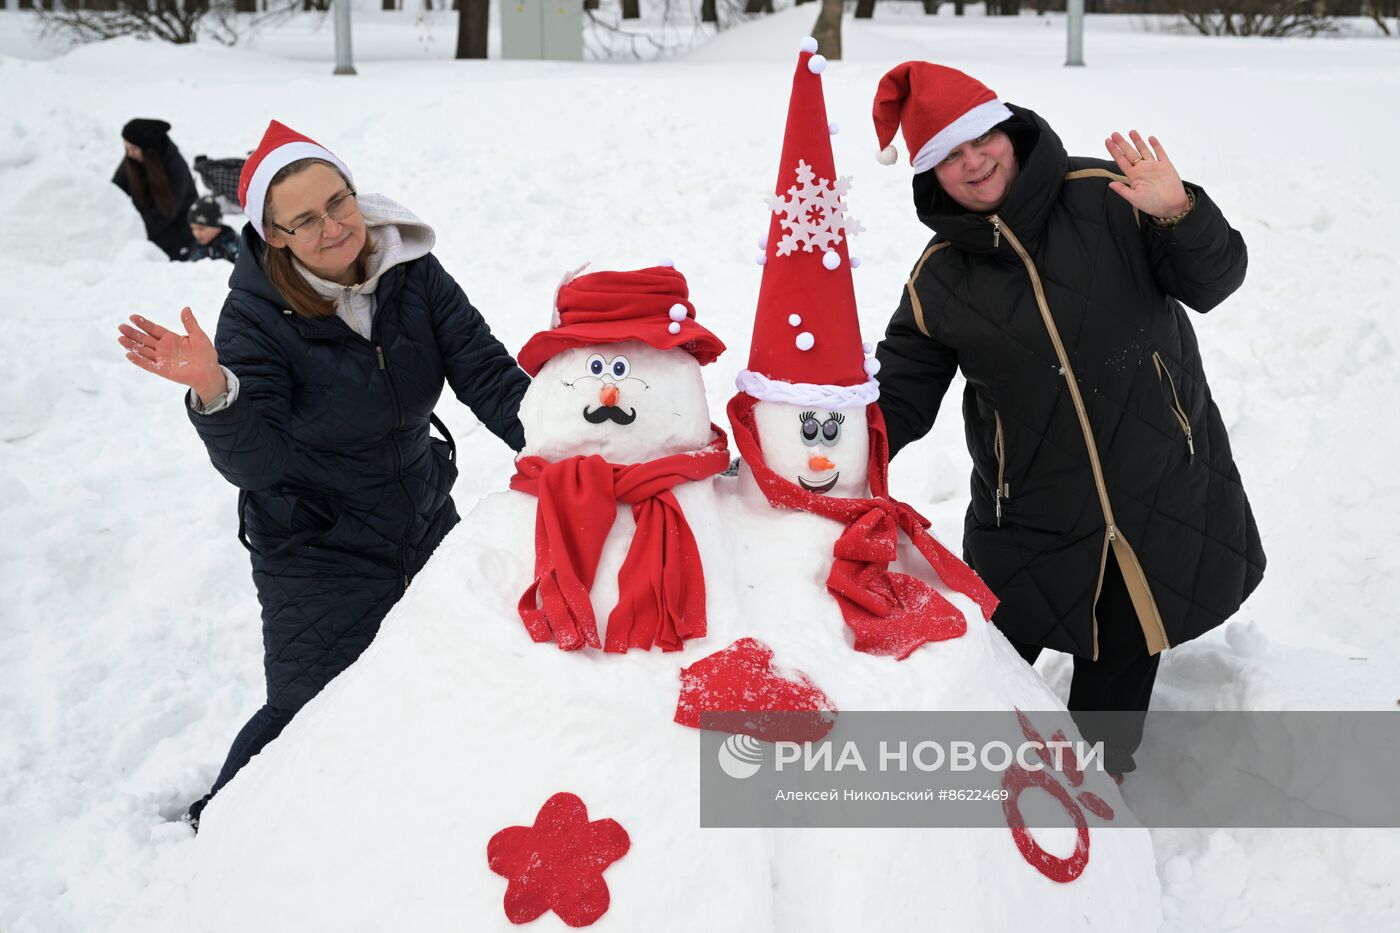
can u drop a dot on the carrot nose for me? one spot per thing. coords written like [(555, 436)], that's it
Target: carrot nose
[(608, 395), (819, 463)]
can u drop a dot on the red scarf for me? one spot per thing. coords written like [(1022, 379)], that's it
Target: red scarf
[(891, 613), (661, 585)]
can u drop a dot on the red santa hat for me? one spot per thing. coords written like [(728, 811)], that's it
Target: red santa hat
[(806, 347), (281, 146), (650, 305), (938, 108)]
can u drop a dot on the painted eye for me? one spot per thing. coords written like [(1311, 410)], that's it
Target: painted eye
[(620, 367), (596, 365), (811, 428), (831, 432)]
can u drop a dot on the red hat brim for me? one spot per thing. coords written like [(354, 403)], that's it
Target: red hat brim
[(693, 337)]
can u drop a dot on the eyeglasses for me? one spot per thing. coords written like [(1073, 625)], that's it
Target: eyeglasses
[(311, 228)]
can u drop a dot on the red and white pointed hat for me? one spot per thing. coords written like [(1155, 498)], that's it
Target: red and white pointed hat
[(806, 347), (938, 108), (281, 146)]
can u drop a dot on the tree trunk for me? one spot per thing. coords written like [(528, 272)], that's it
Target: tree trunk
[(827, 31), (958, 7), (758, 6), (1010, 8), (472, 20), (590, 4), (707, 11), (245, 6), (631, 9), (931, 7), (865, 9)]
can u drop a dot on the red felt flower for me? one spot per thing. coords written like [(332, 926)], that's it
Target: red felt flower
[(558, 863), (741, 680)]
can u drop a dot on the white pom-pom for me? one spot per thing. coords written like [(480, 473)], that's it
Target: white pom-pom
[(867, 348), (678, 312), (833, 128), (855, 262), (795, 319), (763, 242), (665, 261), (809, 44), (872, 367), (832, 260), (675, 327), (888, 155), (805, 341), (816, 64), (762, 260)]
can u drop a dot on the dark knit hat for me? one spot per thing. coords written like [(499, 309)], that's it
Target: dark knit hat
[(205, 212), (148, 134)]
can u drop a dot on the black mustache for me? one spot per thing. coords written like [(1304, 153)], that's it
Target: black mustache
[(609, 413)]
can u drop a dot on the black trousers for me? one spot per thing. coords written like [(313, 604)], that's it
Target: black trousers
[(1119, 682)]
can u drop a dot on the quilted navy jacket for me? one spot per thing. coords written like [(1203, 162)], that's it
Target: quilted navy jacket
[(329, 437), (1088, 415)]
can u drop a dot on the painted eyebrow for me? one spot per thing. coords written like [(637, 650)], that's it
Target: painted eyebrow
[(306, 215)]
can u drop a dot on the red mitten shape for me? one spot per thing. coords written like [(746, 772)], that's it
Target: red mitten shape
[(558, 863), (741, 680), (892, 613)]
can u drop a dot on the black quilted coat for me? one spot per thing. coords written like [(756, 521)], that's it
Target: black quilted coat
[(343, 492), (1088, 416)]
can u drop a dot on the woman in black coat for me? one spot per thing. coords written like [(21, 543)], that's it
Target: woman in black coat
[(332, 350), (1107, 513), (154, 175)]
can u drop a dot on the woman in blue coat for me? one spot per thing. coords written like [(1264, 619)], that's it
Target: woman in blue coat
[(315, 400)]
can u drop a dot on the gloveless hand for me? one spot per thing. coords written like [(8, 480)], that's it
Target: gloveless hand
[(1153, 185), (189, 360)]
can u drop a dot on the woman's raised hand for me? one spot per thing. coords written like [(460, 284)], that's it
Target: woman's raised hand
[(189, 360), (1153, 185)]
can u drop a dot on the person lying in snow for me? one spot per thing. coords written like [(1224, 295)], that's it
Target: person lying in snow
[(215, 239), (1107, 513), (332, 350)]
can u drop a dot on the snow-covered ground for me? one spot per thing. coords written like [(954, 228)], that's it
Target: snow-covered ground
[(129, 636)]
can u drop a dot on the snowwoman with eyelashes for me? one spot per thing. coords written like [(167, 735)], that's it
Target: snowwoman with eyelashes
[(1107, 512), (315, 400)]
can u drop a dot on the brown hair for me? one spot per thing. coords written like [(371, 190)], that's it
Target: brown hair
[(148, 182), (279, 265)]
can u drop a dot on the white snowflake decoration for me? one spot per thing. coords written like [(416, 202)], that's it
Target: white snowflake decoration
[(814, 213)]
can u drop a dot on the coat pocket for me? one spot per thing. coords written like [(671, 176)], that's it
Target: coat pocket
[(1003, 488), (1178, 412)]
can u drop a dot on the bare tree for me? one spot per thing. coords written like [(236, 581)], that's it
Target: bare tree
[(79, 21), (1272, 18), (473, 17), (827, 30)]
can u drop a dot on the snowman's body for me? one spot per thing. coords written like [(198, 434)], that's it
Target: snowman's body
[(374, 809)]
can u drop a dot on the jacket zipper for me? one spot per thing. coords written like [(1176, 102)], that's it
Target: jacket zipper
[(1143, 603), (1177, 410), (398, 423), (1003, 490)]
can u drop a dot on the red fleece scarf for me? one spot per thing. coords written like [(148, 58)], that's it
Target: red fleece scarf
[(890, 613), (661, 585)]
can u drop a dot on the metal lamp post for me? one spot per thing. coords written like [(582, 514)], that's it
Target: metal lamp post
[(344, 63), (1075, 24)]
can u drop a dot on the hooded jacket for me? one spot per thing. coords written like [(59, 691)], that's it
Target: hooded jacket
[(1087, 412), (326, 425)]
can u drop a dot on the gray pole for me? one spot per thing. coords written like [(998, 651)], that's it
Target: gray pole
[(344, 59), (1075, 22)]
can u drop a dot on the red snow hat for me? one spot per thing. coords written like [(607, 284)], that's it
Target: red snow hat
[(806, 346), (650, 305), (937, 107), (281, 146)]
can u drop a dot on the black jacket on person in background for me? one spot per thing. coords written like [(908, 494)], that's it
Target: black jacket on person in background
[(171, 233), (224, 246), (344, 493), (1066, 254)]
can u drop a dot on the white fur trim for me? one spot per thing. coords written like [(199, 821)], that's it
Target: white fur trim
[(968, 126), (806, 393), (274, 162), (888, 155)]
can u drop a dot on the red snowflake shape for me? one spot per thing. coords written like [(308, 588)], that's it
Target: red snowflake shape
[(558, 863), (1017, 779)]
